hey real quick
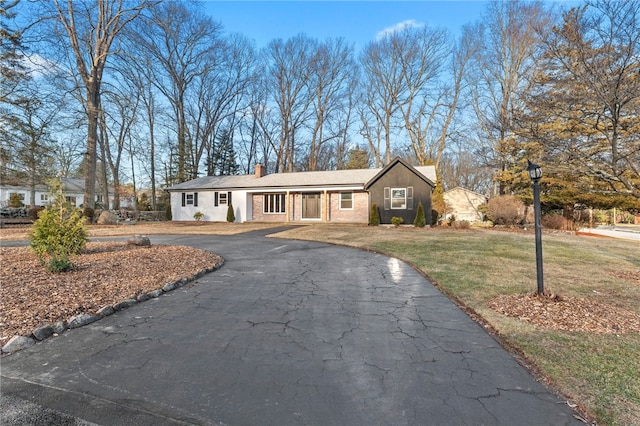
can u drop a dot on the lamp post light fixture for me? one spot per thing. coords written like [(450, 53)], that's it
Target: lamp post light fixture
[(535, 173)]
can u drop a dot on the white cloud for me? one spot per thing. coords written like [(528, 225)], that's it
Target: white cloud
[(37, 65), (409, 23)]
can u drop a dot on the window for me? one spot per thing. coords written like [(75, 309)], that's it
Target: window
[(346, 201), (44, 197), (190, 199), (398, 198), (221, 198), (70, 199), (274, 203)]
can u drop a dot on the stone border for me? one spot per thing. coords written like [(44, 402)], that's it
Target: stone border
[(17, 342)]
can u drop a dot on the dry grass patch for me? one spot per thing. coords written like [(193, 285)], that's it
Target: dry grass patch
[(153, 228)]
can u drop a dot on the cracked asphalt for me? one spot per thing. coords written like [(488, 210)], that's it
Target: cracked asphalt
[(285, 333)]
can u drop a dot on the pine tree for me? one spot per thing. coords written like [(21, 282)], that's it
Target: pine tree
[(420, 221)]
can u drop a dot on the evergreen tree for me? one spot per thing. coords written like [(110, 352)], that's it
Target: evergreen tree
[(420, 221)]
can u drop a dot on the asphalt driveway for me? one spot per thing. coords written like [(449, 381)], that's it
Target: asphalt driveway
[(285, 333)]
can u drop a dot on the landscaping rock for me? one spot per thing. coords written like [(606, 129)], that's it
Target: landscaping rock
[(171, 286), (139, 240), (43, 332), (17, 343), (124, 304), (107, 218), (155, 293), (82, 319), (106, 311), (143, 297), (59, 327)]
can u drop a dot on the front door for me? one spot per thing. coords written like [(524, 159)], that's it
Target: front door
[(311, 205)]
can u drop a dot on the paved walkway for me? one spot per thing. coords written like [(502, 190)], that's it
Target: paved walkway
[(628, 232), (285, 333)]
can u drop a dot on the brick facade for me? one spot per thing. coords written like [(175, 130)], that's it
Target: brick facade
[(330, 212)]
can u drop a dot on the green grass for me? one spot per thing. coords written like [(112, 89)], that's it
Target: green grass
[(600, 372)]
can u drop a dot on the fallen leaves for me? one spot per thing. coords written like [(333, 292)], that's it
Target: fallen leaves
[(104, 274), (567, 313)]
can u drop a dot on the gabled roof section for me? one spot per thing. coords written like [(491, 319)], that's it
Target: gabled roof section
[(426, 173), (281, 181), (468, 191)]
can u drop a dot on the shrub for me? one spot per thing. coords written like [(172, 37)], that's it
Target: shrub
[(89, 213), (15, 201), (397, 221), (434, 217), (554, 221), (167, 212), (505, 210), (198, 216), (420, 221), (374, 216), (34, 211), (58, 234), (451, 220), (461, 224), (231, 216)]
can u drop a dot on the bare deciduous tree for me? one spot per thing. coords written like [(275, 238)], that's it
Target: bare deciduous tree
[(91, 28)]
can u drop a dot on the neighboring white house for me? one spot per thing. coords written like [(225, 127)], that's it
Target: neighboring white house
[(463, 204), (344, 196), (73, 190)]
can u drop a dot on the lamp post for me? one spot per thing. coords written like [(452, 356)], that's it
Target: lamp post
[(535, 173)]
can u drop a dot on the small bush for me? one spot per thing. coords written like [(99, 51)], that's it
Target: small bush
[(461, 224), (198, 216), (89, 213), (420, 221), (231, 216), (434, 217), (34, 211), (15, 201), (505, 210), (554, 221), (58, 234), (397, 221), (374, 215), (451, 220), (167, 212)]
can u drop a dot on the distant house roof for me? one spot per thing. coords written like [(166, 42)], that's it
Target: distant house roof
[(468, 191), (69, 185), (332, 178)]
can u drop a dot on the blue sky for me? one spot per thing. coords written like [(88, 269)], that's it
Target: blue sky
[(356, 21)]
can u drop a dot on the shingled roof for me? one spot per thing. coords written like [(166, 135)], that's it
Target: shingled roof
[(329, 179)]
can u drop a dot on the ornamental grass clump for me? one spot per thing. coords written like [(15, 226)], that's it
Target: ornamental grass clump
[(58, 234)]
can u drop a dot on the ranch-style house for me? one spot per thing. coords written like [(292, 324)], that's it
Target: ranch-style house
[(339, 196)]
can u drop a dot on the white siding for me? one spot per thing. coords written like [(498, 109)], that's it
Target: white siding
[(206, 205)]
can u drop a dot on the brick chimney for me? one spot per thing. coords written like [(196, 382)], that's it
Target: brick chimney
[(260, 170)]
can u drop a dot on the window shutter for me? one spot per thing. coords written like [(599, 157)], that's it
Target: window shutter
[(184, 199), (387, 198), (410, 198), (215, 198), (228, 197), (195, 199)]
